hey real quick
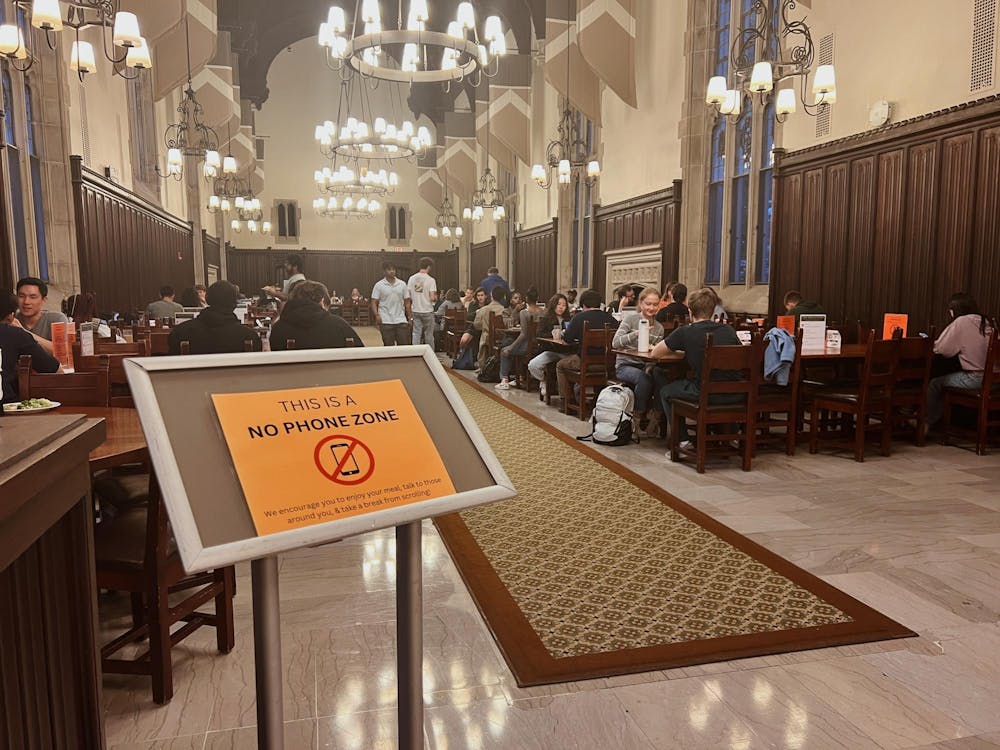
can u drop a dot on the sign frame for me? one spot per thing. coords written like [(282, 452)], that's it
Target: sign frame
[(196, 556)]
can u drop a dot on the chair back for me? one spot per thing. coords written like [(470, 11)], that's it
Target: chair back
[(159, 342), (915, 357), (878, 373), (596, 351), (991, 378), (118, 387), (70, 389), (747, 364), (497, 324), (139, 348)]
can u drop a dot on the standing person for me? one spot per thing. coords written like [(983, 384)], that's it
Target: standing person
[(423, 294), (32, 294), (691, 340), (594, 317), (391, 307), (966, 337), (14, 342), (632, 370), (293, 275), (165, 306), (494, 279)]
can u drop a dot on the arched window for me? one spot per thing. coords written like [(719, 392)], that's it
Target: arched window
[(401, 223), (716, 196), (35, 167), (392, 223), (13, 154), (740, 193), (293, 218), (282, 221), (765, 199)]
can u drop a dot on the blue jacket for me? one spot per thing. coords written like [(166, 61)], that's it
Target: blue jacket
[(779, 355), (494, 279)]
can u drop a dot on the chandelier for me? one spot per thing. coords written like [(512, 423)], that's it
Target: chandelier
[(346, 207), (354, 137), (488, 195), (344, 180), (190, 136), (462, 53), (46, 15), (248, 211), (789, 60), (446, 223), (568, 156)]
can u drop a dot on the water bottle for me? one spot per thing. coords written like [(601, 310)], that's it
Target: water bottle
[(643, 335)]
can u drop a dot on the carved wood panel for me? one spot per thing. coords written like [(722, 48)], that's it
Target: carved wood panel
[(535, 259)]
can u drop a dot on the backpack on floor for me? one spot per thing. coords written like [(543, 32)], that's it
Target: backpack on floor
[(611, 423), (491, 370), (465, 360)]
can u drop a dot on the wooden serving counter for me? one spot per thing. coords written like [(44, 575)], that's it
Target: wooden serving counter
[(50, 679)]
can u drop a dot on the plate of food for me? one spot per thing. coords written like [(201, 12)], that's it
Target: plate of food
[(30, 406)]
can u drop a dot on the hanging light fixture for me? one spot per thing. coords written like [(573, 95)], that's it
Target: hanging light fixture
[(790, 45), (122, 41), (355, 180), (488, 196), (346, 207), (190, 136), (463, 53), (570, 156), (446, 223)]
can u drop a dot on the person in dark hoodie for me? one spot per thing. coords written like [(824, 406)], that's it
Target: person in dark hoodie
[(216, 330), (795, 305), (307, 320)]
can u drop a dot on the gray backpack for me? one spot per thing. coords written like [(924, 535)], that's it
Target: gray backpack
[(611, 422)]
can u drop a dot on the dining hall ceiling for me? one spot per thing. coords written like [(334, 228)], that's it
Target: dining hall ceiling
[(261, 29)]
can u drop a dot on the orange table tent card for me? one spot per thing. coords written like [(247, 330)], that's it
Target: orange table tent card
[(312, 455), (787, 323), (891, 322)]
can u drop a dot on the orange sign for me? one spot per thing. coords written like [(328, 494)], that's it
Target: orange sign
[(892, 321), (787, 322), (311, 455), (61, 348)]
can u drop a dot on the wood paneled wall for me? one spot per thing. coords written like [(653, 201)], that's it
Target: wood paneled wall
[(212, 251), (536, 258), (127, 248), (482, 256), (340, 271), (652, 219), (895, 220), (8, 263)]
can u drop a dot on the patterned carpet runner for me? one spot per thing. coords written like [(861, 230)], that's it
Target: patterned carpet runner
[(593, 571)]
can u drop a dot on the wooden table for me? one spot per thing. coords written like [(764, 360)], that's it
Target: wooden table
[(847, 351), (125, 442), (667, 359), (560, 344)]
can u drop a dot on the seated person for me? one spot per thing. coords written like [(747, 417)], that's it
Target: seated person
[(190, 298), (795, 305), (14, 342), (216, 330), (479, 299), (32, 294), (306, 319), (357, 296), (513, 347), (555, 315), (451, 301), (632, 370), (165, 307), (594, 317), (482, 321), (515, 305), (691, 341), (677, 307), (626, 298)]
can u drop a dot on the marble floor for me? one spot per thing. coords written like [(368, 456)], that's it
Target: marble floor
[(916, 535)]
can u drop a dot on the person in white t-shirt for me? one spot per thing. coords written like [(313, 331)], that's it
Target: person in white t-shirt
[(391, 307), (423, 295)]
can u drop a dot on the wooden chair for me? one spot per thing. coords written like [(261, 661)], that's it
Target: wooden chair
[(185, 346), (121, 394), (497, 324), (870, 398), (519, 367), (136, 552), (909, 394), (778, 407), (454, 327), (159, 343), (985, 400), (594, 372), (70, 389), (364, 314), (726, 418)]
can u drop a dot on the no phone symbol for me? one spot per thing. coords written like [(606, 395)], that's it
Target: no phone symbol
[(344, 460)]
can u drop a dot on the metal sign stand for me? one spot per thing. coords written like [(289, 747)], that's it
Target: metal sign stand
[(267, 654), (409, 637)]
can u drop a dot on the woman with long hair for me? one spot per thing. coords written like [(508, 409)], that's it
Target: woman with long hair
[(556, 315), (966, 337)]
